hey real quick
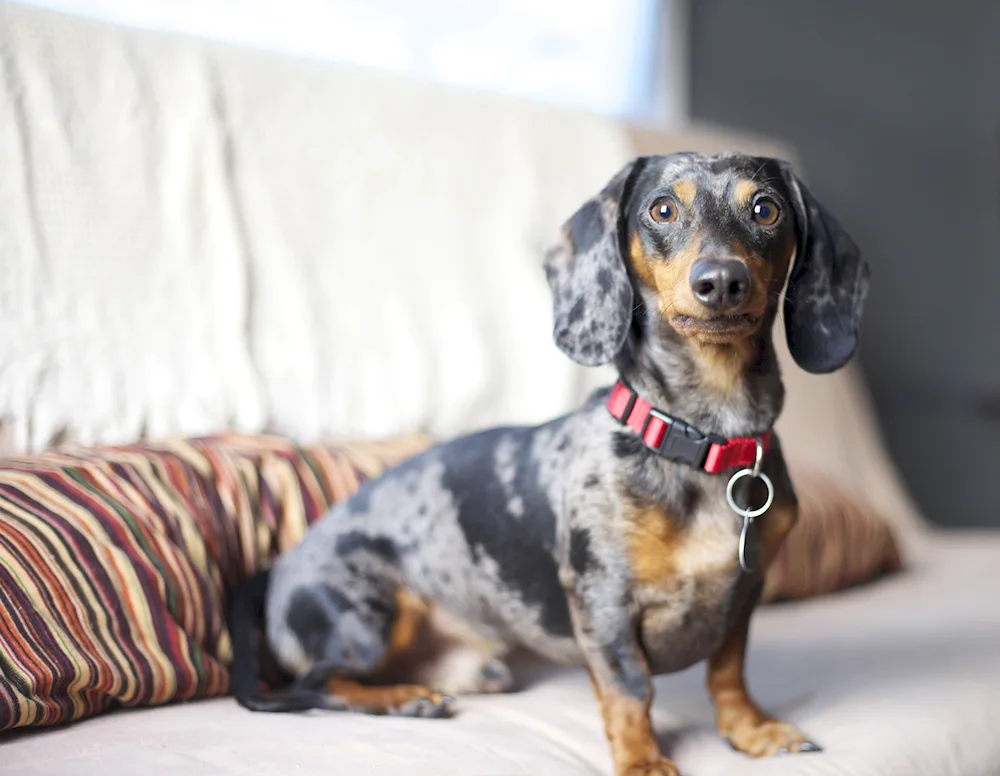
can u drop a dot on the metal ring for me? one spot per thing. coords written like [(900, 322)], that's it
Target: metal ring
[(750, 513), (760, 456)]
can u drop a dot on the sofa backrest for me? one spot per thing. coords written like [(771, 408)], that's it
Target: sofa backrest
[(195, 237)]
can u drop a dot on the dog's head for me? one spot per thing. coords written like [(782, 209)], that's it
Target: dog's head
[(708, 240)]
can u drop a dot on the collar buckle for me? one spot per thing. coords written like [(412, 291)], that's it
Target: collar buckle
[(683, 442)]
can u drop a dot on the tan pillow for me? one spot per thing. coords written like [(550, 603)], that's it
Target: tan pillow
[(838, 542)]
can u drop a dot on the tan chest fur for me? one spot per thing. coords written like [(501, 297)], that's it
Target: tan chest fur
[(687, 578)]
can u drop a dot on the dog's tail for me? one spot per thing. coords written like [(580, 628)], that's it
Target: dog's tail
[(246, 618)]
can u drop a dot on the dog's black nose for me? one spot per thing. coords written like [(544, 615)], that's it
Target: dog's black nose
[(720, 284)]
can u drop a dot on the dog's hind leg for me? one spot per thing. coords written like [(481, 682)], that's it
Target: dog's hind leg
[(348, 636), (430, 647)]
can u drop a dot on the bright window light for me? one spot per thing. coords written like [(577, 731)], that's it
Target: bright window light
[(595, 54)]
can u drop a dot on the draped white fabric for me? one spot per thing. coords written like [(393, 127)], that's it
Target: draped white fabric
[(194, 237)]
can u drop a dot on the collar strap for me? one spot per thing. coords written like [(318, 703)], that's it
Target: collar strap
[(676, 440)]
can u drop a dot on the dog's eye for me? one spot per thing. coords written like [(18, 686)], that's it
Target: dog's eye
[(765, 211), (663, 211)]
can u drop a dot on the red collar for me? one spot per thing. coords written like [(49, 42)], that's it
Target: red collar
[(676, 440)]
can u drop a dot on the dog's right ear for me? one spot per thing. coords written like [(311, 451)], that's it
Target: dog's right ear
[(591, 291), (826, 287)]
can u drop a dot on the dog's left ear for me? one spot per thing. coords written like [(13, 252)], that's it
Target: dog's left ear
[(591, 291), (826, 288)]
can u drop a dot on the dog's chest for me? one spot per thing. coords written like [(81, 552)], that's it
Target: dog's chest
[(688, 585)]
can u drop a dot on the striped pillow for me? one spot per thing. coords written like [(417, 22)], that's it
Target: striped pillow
[(114, 562), (838, 542)]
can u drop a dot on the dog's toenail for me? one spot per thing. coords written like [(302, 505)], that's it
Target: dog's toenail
[(783, 750), (809, 746)]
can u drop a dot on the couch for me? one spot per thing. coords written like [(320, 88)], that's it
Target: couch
[(195, 237)]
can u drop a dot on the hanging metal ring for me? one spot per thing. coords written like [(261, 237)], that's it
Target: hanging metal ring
[(749, 513)]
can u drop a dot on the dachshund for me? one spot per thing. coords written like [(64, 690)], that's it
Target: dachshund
[(629, 537)]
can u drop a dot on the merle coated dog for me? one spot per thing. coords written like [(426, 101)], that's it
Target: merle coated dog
[(621, 537)]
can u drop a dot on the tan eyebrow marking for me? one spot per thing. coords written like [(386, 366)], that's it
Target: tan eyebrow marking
[(685, 191), (743, 192)]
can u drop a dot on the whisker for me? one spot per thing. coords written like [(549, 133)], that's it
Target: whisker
[(754, 176)]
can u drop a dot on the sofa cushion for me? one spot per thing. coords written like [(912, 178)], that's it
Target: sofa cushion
[(114, 562)]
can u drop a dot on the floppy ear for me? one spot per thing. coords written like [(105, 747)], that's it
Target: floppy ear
[(827, 287), (591, 291)]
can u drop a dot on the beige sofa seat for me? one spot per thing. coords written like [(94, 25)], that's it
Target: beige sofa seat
[(194, 237), (899, 678)]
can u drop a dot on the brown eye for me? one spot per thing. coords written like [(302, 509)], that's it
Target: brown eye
[(765, 211), (663, 211)]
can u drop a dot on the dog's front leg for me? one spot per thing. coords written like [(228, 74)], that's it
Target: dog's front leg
[(606, 633), (738, 718)]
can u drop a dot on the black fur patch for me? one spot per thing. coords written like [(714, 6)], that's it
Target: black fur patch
[(687, 498), (660, 379), (309, 619), (580, 557), (628, 444), (633, 676), (379, 546), (604, 279), (380, 607), (522, 545), (592, 481)]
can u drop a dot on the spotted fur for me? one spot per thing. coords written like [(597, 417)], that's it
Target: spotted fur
[(572, 538)]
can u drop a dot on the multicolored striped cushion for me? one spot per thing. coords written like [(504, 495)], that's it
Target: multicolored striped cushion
[(838, 542), (115, 562)]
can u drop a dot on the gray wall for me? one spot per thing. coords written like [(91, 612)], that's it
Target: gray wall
[(895, 109)]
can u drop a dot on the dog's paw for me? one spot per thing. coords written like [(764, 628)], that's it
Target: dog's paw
[(433, 707), (495, 677), (661, 767), (415, 701), (770, 737)]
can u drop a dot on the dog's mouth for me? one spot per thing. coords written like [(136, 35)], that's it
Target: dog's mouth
[(716, 327)]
